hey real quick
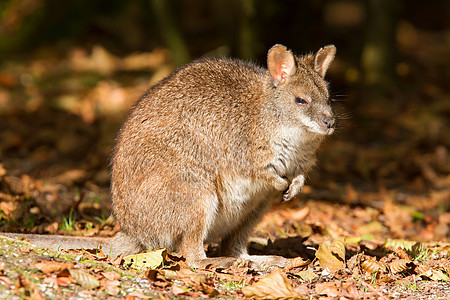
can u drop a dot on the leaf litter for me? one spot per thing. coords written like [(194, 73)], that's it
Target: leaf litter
[(373, 223)]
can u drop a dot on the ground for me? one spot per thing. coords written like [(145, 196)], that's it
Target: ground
[(372, 222)]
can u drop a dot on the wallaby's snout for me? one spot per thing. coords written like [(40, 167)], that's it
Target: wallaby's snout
[(328, 122), (325, 120)]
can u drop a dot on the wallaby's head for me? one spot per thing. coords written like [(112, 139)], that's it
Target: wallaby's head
[(300, 89)]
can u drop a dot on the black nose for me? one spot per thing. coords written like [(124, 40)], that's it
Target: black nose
[(328, 122)]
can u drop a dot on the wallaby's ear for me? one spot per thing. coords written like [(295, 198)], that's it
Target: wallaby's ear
[(281, 63), (323, 59)]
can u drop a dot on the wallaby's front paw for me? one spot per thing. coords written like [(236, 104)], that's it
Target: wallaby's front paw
[(295, 188), (292, 192)]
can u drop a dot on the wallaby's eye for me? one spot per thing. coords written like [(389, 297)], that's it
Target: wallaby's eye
[(300, 100)]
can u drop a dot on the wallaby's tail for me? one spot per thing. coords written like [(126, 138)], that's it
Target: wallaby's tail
[(57, 242), (114, 246)]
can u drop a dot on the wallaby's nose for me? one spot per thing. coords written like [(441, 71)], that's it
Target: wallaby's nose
[(328, 122)]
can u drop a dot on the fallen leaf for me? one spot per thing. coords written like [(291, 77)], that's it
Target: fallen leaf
[(112, 290), (208, 290), (435, 275), (152, 259), (296, 215), (111, 275), (157, 277), (178, 290), (399, 265), (274, 286), (358, 239), (331, 255), (138, 295), (51, 280), (116, 261), (5, 281), (84, 279), (64, 281), (296, 263), (372, 227), (372, 266), (49, 267), (422, 270), (327, 288), (36, 295), (307, 275), (394, 244)]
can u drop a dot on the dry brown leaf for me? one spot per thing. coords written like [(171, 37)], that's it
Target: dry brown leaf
[(207, 289), (327, 288), (150, 259), (111, 275), (52, 228), (5, 281), (331, 255), (84, 279), (371, 228), (116, 261), (354, 262), (435, 275), (421, 269), (49, 267), (296, 263), (177, 290), (372, 266), (399, 265), (274, 286), (112, 290), (394, 244), (2, 170), (138, 295), (64, 281), (296, 215), (396, 216), (156, 275), (307, 275), (37, 295)]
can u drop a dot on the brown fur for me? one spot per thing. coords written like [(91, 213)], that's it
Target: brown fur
[(205, 152)]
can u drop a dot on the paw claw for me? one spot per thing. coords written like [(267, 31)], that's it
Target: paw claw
[(292, 192)]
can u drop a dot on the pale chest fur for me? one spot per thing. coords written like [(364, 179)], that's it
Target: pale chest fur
[(294, 152)]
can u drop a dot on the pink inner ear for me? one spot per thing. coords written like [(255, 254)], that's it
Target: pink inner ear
[(284, 70), (281, 63)]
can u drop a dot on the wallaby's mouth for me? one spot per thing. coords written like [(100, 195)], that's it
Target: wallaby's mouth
[(320, 130), (330, 131)]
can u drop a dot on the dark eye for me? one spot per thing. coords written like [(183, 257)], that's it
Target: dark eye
[(300, 100)]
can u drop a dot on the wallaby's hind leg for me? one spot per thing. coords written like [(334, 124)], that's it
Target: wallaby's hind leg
[(236, 243), (191, 246)]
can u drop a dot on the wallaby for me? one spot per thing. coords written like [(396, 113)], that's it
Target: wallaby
[(205, 152)]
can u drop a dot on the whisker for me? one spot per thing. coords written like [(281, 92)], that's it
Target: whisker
[(337, 100)]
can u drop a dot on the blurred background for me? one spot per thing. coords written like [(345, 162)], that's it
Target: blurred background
[(70, 70)]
